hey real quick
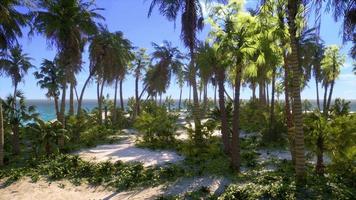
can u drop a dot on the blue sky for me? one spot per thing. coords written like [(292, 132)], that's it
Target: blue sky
[(130, 17)]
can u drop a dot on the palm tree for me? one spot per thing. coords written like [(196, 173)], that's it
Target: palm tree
[(235, 32), (206, 72), (192, 22), (110, 54), (122, 50), (16, 66), (1, 135), (330, 68), (50, 78), (11, 22), (139, 64), (292, 9), (180, 82), (45, 135), (208, 57), (17, 116), (66, 24), (167, 60)]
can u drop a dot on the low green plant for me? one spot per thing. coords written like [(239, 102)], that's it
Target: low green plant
[(157, 126), (118, 175), (44, 136)]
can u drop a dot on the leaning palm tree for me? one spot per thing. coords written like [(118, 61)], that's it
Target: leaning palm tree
[(139, 64), (67, 37), (11, 22), (50, 78), (192, 22)]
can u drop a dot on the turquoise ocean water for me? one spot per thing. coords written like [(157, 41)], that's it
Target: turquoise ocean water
[(47, 112)]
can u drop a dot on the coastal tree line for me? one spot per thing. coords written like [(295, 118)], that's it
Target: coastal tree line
[(270, 47)]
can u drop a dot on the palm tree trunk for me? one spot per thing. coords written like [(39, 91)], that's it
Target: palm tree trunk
[(180, 98), (100, 106), (79, 109), (253, 91), (205, 99), (297, 102), (63, 104), (1, 136), (15, 127), (56, 106), (319, 155), (289, 118), (223, 116), (235, 145), (114, 113), (71, 100), (331, 88), (271, 130), (317, 92), (137, 104), (262, 93), (62, 113), (330, 93), (196, 108), (121, 95), (267, 94), (190, 93), (326, 86), (215, 95)]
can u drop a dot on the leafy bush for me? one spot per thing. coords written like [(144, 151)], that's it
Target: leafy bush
[(92, 135), (118, 175), (157, 126), (44, 136)]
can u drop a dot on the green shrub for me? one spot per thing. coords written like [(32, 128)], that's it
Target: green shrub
[(157, 126), (118, 175)]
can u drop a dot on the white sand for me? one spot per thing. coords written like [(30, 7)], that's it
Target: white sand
[(127, 152), (64, 190)]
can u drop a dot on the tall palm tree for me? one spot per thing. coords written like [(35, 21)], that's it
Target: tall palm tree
[(110, 54), (122, 50), (167, 60), (235, 32), (139, 64), (192, 22), (330, 68), (16, 66), (50, 77), (293, 6), (66, 24), (206, 72), (17, 116), (208, 57), (11, 22)]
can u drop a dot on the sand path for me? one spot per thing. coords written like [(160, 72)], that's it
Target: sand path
[(126, 151), (64, 190)]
